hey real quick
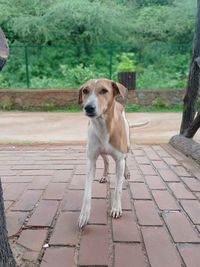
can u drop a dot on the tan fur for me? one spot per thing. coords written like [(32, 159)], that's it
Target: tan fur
[(116, 127), (111, 109)]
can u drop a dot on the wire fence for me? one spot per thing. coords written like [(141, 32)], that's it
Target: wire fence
[(68, 66)]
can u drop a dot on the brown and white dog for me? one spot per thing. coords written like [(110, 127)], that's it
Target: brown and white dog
[(108, 134)]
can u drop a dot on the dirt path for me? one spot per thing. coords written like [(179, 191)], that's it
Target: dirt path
[(69, 128)]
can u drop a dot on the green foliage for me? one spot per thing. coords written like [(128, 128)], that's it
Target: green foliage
[(126, 62), (153, 108), (72, 41)]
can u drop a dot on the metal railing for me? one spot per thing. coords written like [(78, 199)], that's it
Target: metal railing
[(66, 66)]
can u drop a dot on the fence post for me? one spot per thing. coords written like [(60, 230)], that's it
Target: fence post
[(27, 66), (110, 62)]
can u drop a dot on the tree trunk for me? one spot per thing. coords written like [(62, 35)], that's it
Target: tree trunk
[(195, 125), (6, 256), (4, 50), (191, 95)]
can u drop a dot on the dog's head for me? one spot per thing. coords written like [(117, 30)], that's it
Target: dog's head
[(97, 96)]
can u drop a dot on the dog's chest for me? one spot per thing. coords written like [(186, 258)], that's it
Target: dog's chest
[(99, 137)]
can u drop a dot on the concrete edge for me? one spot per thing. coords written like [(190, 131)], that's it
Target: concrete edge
[(187, 146)]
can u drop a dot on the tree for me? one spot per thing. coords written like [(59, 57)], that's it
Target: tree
[(6, 256), (191, 118)]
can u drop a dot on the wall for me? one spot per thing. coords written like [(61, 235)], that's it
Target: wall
[(20, 99)]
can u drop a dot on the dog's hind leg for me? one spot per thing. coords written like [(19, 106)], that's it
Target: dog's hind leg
[(127, 174), (104, 178)]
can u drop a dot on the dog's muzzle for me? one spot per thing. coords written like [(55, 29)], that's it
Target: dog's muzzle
[(90, 110)]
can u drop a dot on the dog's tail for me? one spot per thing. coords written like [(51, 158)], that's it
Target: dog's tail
[(138, 124)]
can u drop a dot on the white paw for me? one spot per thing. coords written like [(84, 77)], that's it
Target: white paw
[(116, 212), (103, 179), (84, 218)]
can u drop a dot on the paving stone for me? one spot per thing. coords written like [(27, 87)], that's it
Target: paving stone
[(7, 204), (139, 191), (54, 191), (190, 255), (17, 179), (162, 153), (8, 173), (98, 212), (165, 200), (181, 171), (138, 152), (129, 255), (81, 169), (59, 257), (125, 228), (14, 221), (183, 234), (151, 153), (44, 213), (197, 195), (142, 160), (13, 191), (113, 179), (155, 182), (192, 207), (156, 147), (93, 238), (66, 231), (31, 255), (33, 239), (73, 200), (160, 250), (37, 172), (136, 176), (99, 190), (169, 175), (193, 184), (147, 170), (62, 176), (27, 200), (78, 182), (126, 201), (171, 161), (160, 164), (99, 174), (180, 191), (39, 183), (147, 213)]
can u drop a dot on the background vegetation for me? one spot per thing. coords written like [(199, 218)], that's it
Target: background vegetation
[(66, 42)]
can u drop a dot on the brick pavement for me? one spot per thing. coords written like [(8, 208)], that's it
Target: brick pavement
[(43, 189)]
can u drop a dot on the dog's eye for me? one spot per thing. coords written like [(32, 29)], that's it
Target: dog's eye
[(85, 91), (103, 91)]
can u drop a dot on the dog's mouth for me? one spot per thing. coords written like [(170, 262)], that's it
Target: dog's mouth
[(90, 115)]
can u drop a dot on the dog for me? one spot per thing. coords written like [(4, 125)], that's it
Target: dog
[(108, 134)]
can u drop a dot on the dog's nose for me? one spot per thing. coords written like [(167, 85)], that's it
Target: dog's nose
[(90, 109)]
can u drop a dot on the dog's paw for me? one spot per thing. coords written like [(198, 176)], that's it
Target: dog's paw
[(83, 218), (103, 179), (116, 213), (127, 175)]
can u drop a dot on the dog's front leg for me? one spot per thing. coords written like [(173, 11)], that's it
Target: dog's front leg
[(116, 210), (86, 206)]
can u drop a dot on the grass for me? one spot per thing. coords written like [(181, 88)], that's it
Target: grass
[(74, 109), (153, 108)]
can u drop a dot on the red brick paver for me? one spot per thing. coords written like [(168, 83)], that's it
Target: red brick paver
[(43, 191)]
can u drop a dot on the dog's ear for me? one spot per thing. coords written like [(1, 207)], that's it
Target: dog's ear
[(119, 89), (80, 96)]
